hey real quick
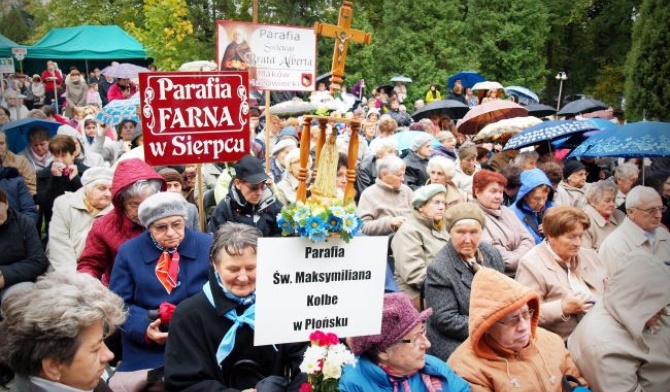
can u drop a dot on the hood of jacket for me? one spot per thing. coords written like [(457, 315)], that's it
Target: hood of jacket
[(128, 172), (637, 291), (531, 179), (494, 296)]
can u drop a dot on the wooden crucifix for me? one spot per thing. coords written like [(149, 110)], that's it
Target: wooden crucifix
[(343, 34)]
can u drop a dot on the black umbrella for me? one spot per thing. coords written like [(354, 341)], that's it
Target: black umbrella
[(450, 107), (582, 106), (387, 88), (540, 110)]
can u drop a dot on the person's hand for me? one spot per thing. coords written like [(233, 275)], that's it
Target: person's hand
[(575, 304), (73, 171), (154, 333), (397, 221), (57, 169), (126, 93)]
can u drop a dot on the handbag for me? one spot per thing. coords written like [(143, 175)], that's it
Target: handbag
[(568, 380)]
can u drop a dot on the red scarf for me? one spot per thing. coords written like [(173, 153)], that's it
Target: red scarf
[(167, 269)]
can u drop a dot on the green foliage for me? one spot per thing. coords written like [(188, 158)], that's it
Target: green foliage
[(647, 68), (609, 84), (14, 25)]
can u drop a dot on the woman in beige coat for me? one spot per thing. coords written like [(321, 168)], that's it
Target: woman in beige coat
[(73, 216), (601, 210), (419, 239), (442, 171), (568, 278)]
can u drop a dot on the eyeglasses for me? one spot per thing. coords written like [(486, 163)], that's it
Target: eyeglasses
[(417, 341), (255, 187), (653, 210), (164, 227), (514, 321)]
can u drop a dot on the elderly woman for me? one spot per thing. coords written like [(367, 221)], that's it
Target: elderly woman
[(450, 276), (367, 171), (74, 214), (175, 183), (447, 147), (287, 188), (419, 239), (505, 349), (442, 171), (570, 191), (166, 263), (396, 359), (279, 152), (23, 258), (61, 321), (212, 333), (601, 210), (466, 167), (385, 205), (532, 201), (625, 177), (420, 150), (568, 278), (503, 229)]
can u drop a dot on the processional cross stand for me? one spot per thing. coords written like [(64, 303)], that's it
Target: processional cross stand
[(343, 34)]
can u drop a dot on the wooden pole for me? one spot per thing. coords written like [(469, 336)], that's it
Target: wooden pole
[(201, 196), (255, 11), (267, 131)]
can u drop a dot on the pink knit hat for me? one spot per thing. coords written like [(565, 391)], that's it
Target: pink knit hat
[(398, 317)]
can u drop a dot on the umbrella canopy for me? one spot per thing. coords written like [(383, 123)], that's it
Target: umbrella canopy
[(17, 131), (585, 105), (525, 96), (403, 79), (292, 108), (198, 65), (387, 88), (404, 139), (604, 114), (450, 107), (481, 115), (467, 78), (487, 86), (124, 71), (501, 131), (548, 131), (540, 110), (634, 140), (119, 110)]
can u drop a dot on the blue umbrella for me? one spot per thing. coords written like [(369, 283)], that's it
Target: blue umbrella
[(548, 131), (17, 131), (404, 139), (468, 78), (119, 110), (634, 140), (525, 96)]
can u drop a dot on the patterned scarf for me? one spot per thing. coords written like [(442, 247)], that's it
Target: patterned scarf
[(432, 384), (167, 267)]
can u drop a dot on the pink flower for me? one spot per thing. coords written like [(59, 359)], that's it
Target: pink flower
[(332, 338), (305, 387), (318, 337)]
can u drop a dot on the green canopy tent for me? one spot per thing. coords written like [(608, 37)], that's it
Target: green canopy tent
[(84, 46), (6, 46)]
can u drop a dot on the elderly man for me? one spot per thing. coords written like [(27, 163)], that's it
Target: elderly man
[(639, 231), (385, 205), (622, 343)]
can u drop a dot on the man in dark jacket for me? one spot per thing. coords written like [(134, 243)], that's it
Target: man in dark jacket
[(249, 200)]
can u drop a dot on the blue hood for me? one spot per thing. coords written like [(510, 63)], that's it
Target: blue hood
[(531, 179)]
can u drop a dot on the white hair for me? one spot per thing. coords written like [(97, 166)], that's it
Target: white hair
[(598, 190), (294, 155), (390, 164), (625, 171), (444, 164), (380, 145), (639, 195)]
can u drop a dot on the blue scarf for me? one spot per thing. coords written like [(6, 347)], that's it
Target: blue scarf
[(248, 317)]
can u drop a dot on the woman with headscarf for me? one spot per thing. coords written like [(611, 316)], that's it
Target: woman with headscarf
[(449, 277), (212, 333), (505, 349), (396, 359), (419, 239), (533, 200), (466, 167)]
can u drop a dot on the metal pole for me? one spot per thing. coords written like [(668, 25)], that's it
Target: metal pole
[(56, 92), (560, 92)]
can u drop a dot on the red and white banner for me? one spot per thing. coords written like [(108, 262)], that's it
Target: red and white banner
[(198, 117)]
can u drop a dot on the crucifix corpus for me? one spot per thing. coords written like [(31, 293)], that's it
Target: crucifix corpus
[(343, 34)]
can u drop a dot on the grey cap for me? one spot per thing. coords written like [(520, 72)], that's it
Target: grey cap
[(161, 205)]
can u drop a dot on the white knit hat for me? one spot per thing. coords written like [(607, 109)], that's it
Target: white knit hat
[(94, 174)]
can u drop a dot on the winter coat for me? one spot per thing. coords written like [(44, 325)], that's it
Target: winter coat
[(379, 203), (531, 179), (403, 119), (134, 279), (24, 167), (629, 237), (486, 365), (540, 271), (235, 209), (567, 195), (69, 227), (611, 345), (196, 330), (109, 232), (276, 170), (23, 384), (446, 152), (415, 170), (366, 174), (448, 283), (287, 189), (367, 376), (23, 258), (600, 228), (414, 248), (49, 187), (18, 196), (506, 233), (34, 164), (464, 181), (115, 92)]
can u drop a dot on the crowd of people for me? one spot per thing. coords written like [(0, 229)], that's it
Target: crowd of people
[(508, 270)]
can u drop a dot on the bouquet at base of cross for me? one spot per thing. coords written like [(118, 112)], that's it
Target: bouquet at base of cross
[(317, 221), (323, 362)]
